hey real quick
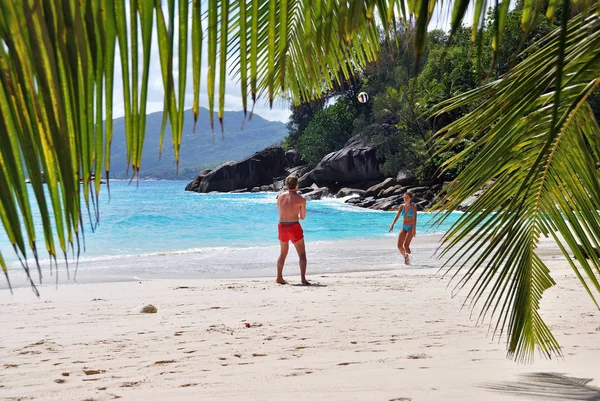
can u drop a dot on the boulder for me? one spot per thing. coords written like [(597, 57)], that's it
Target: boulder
[(358, 141), (395, 190), (423, 205), (298, 171), (255, 189), (305, 180), (317, 194), (342, 193), (418, 190), (405, 177), (429, 195), (366, 202), (351, 164), (469, 201), (399, 190), (353, 201), (376, 189), (393, 202), (293, 158), (238, 191), (258, 169), (265, 188)]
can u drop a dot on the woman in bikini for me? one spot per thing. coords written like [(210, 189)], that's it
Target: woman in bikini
[(408, 210)]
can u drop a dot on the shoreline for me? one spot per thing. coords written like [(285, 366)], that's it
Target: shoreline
[(370, 335), (332, 256)]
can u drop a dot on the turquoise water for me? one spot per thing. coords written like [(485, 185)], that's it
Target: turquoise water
[(159, 218)]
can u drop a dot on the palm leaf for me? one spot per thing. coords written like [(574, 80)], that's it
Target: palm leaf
[(536, 142)]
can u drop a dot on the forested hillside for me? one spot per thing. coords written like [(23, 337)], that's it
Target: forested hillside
[(197, 150)]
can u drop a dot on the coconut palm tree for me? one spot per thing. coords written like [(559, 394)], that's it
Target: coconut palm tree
[(58, 58)]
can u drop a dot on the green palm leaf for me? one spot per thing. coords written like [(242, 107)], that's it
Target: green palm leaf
[(536, 142)]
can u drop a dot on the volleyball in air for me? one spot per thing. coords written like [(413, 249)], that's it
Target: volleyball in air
[(363, 97)]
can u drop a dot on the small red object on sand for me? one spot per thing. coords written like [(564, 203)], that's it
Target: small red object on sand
[(248, 325)]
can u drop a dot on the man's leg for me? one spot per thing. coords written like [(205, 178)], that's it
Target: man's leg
[(285, 246), (302, 257)]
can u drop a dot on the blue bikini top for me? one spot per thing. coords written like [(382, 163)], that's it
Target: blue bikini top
[(410, 210)]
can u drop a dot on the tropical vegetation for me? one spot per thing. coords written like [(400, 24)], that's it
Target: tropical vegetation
[(531, 133)]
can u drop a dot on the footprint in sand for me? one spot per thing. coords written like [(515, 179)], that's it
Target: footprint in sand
[(308, 372), (164, 362), (90, 372), (129, 384), (418, 356)]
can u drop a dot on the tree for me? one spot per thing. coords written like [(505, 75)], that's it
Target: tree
[(327, 131), (58, 57), (301, 115)]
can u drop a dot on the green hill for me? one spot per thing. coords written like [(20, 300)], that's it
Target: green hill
[(197, 150)]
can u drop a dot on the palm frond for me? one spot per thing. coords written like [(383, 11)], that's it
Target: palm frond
[(537, 144)]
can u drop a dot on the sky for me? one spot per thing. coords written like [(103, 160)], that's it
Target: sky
[(233, 100)]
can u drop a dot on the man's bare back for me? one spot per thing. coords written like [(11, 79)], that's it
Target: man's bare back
[(292, 208)]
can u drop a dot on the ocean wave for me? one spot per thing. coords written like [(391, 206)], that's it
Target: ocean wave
[(208, 251)]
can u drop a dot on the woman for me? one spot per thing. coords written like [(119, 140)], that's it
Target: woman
[(409, 225)]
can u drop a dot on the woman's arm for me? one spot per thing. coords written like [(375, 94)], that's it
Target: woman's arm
[(415, 225), (396, 218)]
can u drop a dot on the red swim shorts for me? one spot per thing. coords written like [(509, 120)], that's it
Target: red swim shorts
[(290, 232)]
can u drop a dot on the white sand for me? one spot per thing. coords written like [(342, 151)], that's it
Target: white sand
[(389, 335)]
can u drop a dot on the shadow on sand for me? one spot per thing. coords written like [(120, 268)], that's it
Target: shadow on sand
[(549, 386), (312, 284)]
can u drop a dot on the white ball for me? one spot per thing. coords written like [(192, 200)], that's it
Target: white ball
[(363, 97)]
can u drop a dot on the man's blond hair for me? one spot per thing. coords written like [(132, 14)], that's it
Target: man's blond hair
[(291, 182)]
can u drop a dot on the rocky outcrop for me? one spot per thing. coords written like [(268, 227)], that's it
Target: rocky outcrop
[(353, 170), (316, 193), (253, 171), (405, 177), (377, 188), (386, 196), (342, 193), (355, 163), (293, 158)]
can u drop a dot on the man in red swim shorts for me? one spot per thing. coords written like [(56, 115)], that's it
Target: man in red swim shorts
[(292, 208)]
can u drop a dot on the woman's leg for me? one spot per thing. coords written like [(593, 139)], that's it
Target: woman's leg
[(406, 245), (401, 240)]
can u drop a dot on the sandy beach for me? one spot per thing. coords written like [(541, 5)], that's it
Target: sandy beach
[(393, 334)]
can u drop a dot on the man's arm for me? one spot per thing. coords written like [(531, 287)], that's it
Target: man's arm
[(302, 209)]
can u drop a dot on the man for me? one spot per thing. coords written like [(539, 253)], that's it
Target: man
[(292, 207)]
